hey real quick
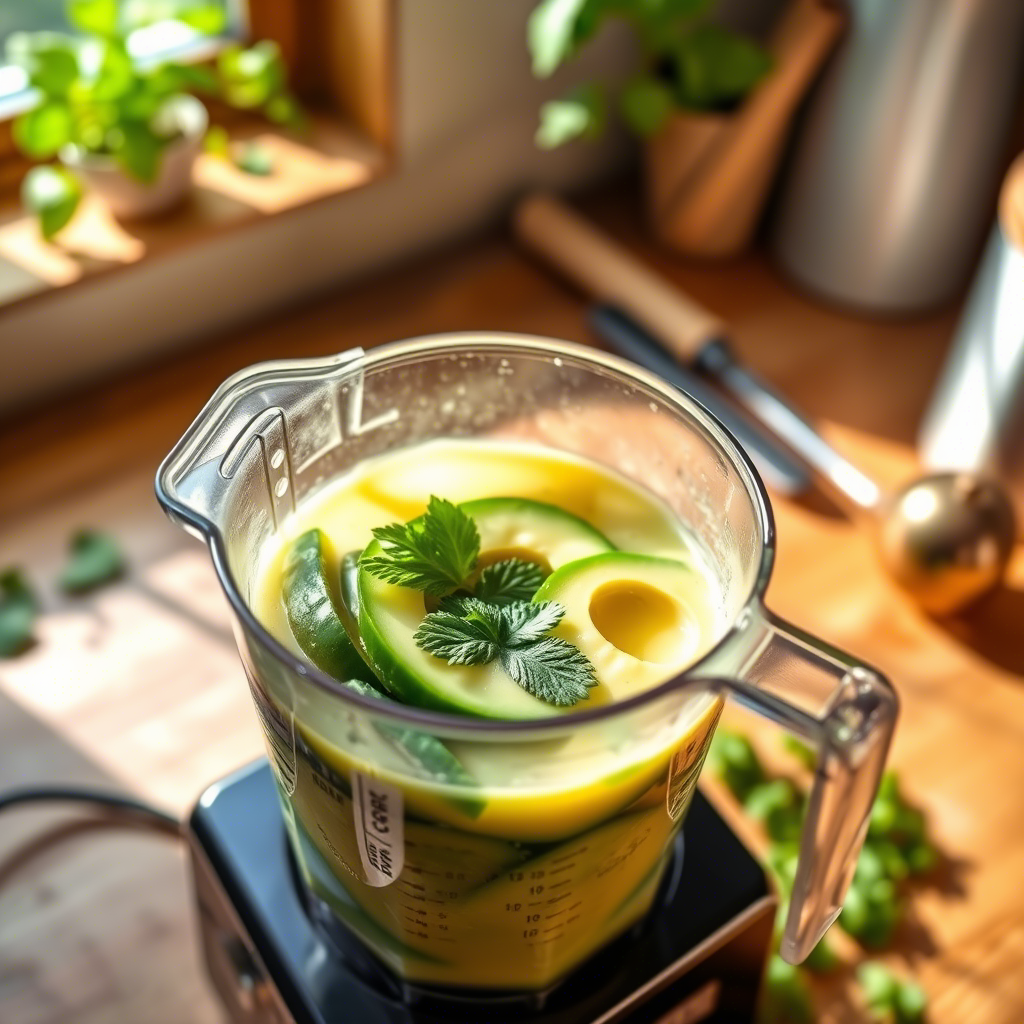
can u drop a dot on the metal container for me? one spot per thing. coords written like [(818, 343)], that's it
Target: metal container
[(894, 173), (976, 417)]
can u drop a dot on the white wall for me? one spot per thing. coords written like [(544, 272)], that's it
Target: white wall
[(467, 112)]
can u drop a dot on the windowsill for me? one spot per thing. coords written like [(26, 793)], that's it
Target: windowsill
[(331, 159)]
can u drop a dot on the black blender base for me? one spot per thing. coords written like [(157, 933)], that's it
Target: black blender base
[(698, 957)]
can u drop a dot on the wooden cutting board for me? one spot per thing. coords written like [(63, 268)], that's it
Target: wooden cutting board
[(139, 686)]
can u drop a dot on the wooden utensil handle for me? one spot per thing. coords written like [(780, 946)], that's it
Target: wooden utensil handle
[(609, 274)]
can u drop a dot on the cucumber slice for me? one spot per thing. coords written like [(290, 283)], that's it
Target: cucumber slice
[(430, 754), (638, 618), (313, 615), (389, 615)]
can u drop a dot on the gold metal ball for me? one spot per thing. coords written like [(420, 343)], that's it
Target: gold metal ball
[(946, 538)]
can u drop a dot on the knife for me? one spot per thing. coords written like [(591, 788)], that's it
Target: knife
[(779, 470)]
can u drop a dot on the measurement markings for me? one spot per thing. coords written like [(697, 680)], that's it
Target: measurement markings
[(554, 928), (579, 903), (564, 867), (564, 910), (430, 899), (561, 896), (564, 881), (566, 856), (414, 885), (569, 920)]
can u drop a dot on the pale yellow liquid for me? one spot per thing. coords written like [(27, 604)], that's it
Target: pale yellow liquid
[(479, 904)]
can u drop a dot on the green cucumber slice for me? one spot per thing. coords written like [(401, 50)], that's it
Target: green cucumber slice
[(313, 615), (429, 753), (389, 615)]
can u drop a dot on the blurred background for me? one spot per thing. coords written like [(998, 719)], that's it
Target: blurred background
[(831, 190)]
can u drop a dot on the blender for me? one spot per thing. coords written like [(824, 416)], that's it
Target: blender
[(333, 883)]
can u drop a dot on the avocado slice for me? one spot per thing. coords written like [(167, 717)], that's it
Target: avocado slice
[(640, 619)]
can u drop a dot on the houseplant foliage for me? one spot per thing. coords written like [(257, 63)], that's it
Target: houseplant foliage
[(93, 96), (688, 63)]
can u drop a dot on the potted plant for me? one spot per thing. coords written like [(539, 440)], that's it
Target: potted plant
[(127, 130), (712, 106)]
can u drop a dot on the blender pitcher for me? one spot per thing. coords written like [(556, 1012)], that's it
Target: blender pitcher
[(508, 876)]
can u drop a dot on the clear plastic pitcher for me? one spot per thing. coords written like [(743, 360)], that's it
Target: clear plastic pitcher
[(509, 880)]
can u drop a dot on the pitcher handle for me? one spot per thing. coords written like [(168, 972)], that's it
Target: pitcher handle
[(847, 711)]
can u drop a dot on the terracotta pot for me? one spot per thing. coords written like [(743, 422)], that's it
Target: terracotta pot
[(708, 175), (131, 199)]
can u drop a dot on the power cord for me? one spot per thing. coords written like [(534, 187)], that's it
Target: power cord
[(122, 810)]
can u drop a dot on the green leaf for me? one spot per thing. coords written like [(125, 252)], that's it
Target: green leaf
[(434, 553), (582, 113), (511, 580), (911, 1003), (53, 70), (646, 104), (138, 150), (169, 79), (251, 77), (822, 959), (18, 608), (552, 670), (468, 631), (715, 68), (40, 132), (786, 998), (95, 558), (550, 33), (285, 109), (879, 985), (256, 160), (778, 805), (116, 74), (53, 195), (732, 758), (94, 17), (209, 20)]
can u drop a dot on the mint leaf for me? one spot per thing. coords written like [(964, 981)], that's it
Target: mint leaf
[(95, 559), (646, 104), (552, 669), (470, 638), (434, 553), (511, 580), (582, 112), (468, 631), (53, 195), (18, 608)]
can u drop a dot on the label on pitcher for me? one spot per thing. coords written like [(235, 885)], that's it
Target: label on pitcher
[(380, 828)]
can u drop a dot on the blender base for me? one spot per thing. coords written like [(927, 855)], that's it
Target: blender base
[(698, 956)]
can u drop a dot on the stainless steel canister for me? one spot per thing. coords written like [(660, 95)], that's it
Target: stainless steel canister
[(894, 173)]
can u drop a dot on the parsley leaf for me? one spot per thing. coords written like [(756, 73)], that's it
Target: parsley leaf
[(511, 580), (468, 631), (18, 608), (94, 559), (433, 553), (552, 669)]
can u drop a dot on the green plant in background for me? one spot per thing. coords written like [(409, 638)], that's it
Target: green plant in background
[(91, 93), (897, 847), (688, 64)]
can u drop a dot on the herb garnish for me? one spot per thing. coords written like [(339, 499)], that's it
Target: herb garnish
[(514, 579), (434, 553), (437, 553), (468, 631)]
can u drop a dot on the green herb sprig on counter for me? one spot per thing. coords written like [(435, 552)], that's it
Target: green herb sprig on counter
[(437, 553), (468, 631), (18, 609), (897, 847)]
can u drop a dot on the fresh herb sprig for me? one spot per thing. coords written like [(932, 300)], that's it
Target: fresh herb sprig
[(468, 631), (437, 553)]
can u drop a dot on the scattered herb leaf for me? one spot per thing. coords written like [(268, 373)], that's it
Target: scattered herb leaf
[(434, 553), (511, 580), (468, 631), (18, 608), (889, 998), (256, 160), (95, 559)]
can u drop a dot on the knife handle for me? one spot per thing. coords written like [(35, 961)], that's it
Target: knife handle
[(609, 274)]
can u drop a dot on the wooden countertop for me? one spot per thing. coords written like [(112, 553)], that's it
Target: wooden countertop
[(139, 686)]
